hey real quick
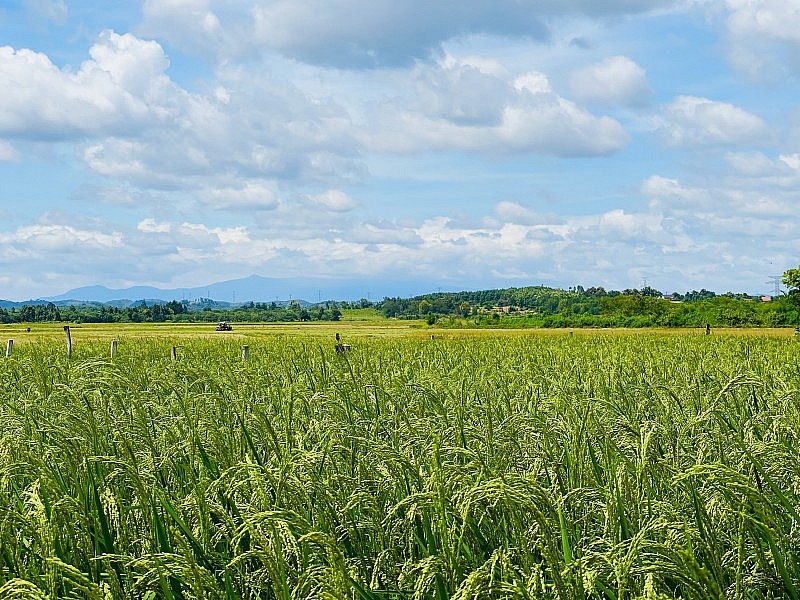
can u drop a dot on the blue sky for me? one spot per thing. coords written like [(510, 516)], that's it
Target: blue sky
[(461, 145)]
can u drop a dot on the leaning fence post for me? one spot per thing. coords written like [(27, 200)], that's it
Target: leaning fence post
[(173, 354), (69, 341), (245, 352), (113, 348), (9, 346)]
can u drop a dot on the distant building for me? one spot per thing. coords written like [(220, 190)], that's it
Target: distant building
[(502, 309), (766, 298)]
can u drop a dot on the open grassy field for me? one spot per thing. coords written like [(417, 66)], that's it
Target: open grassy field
[(477, 464), (361, 324)]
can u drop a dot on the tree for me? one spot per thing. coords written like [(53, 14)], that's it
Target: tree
[(176, 308), (51, 312), (791, 279), (158, 313), (425, 306), (27, 314), (652, 292)]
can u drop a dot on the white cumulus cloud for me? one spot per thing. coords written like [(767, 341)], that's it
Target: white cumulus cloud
[(153, 226), (669, 193), (522, 114), (615, 81), (252, 196), (111, 92), (764, 38), (333, 200), (690, 120), (56, 237)]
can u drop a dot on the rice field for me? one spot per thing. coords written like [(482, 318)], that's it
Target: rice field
[(593, 465)]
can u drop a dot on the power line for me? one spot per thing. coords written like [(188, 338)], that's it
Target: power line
[(776, 281)]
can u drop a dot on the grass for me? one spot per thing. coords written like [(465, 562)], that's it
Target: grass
[(362, 323), (603, 465), (92, 332)]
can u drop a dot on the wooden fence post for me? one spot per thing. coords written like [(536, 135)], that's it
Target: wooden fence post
[(113, 348), (173, 354), (9, 346), (69, 341), (245, 352)]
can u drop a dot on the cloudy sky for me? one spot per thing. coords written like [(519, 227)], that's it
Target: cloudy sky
[(459, 144)]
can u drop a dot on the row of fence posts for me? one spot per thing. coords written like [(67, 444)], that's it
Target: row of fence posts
[(173, 353)]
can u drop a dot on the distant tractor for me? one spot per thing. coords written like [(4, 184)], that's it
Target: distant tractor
[(340, 347), (224, 326)]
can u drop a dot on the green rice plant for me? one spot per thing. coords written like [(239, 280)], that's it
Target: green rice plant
[(515, 466)]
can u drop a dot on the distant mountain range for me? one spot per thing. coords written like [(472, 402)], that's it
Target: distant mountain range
[(238, 291)]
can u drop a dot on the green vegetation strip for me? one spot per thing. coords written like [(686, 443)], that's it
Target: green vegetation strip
[(514, 466)]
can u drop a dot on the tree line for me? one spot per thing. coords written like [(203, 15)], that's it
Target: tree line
[(541, 306), (173, 311)]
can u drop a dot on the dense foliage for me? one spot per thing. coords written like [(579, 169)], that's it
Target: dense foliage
[(599, 466), (594, 307), (510, 307), (173, 311)]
